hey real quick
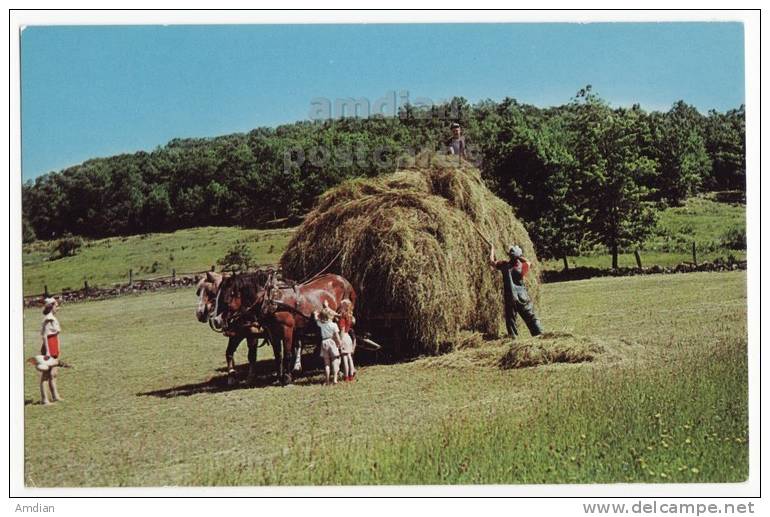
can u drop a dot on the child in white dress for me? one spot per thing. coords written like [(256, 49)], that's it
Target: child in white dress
[(330, 343), (345, 321)]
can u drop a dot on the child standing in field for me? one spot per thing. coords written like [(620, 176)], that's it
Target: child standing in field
[(346, 320), (48, 360), (330, 342)]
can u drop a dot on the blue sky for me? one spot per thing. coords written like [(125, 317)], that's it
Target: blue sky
[(98, 91)]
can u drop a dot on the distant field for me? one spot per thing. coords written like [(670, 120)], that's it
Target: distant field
[(146, 403), (107, 261), (702, 220), (649, 258)]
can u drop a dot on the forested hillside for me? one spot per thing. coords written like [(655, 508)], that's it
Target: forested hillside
[(581, 174)]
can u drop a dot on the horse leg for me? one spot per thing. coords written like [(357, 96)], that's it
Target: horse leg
[(275, 342), (252, 343), (288, 344), (232, 346), (297, 355)]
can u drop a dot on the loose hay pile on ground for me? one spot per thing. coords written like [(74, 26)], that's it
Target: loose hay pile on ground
[(552, 347), (526, 352), (407, 243)]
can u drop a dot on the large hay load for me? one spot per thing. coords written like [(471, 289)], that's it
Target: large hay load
[(408, 242)]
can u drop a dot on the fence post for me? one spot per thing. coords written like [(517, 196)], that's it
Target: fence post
[(173, 274), (85, 285), (566, 264), (638, 259), (694, 256), (130, 277), (47, 294)]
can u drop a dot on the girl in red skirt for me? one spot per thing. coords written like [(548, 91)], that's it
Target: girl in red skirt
[(49, 366), (346, 321)]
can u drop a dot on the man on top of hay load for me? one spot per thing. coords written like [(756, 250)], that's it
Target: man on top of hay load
[(515, 295), (457, 142)]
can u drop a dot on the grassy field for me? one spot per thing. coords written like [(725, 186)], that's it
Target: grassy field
[(107, 261), (665, 401), (649, 258), (702, 220)]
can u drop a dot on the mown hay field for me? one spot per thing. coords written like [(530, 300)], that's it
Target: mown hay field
[(662, 398)]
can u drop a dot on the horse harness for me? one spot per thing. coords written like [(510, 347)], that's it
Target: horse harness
[(268, 304), (271, 305)]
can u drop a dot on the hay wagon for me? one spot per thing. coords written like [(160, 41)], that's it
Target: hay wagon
[(415, 245), (386, 330), (378, 337)]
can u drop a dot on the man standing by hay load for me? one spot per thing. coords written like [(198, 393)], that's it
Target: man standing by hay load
[(515, 295)]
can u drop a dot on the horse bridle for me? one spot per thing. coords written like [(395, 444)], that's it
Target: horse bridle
[(241, 312), (213, 314)]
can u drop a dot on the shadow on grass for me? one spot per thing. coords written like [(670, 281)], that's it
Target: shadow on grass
[(265, 375)]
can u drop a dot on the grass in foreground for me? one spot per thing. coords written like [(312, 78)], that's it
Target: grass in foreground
[(145, 405), (656, 425)]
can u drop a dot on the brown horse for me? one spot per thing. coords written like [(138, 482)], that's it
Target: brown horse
[(283, 309), (207, 289)]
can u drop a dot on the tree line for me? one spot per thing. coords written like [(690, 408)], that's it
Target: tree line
[(580, 174)]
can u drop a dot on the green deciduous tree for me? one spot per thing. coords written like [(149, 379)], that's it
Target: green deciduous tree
[(528, 164), (725, 135), (238, 258), (611, 169), (680, 150), (27, 232), (67, 246)]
